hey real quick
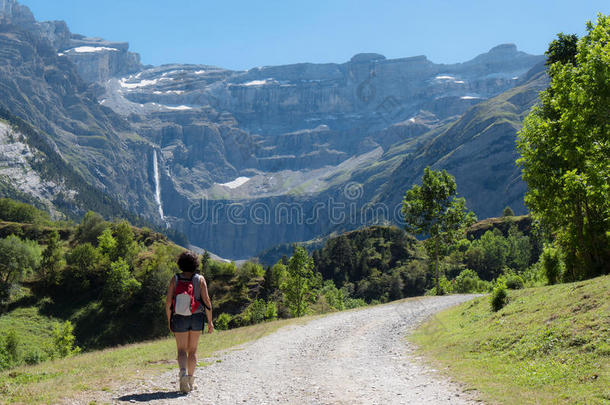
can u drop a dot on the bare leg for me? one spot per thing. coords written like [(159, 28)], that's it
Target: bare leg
[(193, 341), (182, 342)]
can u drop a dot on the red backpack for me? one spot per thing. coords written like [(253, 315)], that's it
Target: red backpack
[(185, 300)]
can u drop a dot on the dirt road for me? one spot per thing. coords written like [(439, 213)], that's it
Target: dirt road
[(352, 357)]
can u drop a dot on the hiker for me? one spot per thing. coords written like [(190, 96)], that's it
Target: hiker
[(187, 298)]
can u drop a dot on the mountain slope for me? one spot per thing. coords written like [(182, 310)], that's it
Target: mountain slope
[(479, 150)]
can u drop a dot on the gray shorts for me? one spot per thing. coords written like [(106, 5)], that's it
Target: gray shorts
[(180, 323)]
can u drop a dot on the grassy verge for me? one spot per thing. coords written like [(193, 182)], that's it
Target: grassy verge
[(547, 345), (83, 375)]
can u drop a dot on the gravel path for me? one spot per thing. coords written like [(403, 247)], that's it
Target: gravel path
[(353, 357)]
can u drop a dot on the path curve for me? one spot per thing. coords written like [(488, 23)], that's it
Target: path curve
[(351, 357)]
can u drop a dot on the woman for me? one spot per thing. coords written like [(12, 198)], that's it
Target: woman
[(188, 328)]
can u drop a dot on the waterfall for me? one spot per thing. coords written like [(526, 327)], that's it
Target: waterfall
[(157, 185)]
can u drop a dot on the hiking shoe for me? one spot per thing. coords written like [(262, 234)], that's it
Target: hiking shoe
[(184, 384), (183, 381), (192, 385)]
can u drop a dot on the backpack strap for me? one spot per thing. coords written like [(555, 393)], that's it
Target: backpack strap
[(198, 289)]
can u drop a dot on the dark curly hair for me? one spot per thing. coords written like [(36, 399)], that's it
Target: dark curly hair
[(188, 262)]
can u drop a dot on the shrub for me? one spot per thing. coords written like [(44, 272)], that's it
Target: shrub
[(120, 284), (63, 339), (513, 281), (34, 356), (467, 281), (258, 310), (534, 275), (91, 227), (446, 287), (332, 295), (354, 303), (498, 297), (17, 259), (10, 347), (222, 322), (552, 263), (271, 312)]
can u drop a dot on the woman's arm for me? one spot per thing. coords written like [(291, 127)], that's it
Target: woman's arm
[(168, 300), (208, 304)]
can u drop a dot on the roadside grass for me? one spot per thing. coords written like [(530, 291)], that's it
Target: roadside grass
[(548, 345), (83, 375)]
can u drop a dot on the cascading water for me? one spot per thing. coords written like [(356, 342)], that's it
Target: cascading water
[(157, 185)]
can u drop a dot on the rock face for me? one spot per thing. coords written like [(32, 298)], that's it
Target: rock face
[(270, 147), (98, 60)]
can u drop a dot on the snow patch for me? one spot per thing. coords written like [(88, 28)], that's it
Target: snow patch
[(177, 92), (258, 82), (469, 98), (200, 72), (444, 77), (177, 108), (235, 183), (92, 49), (143, 83)]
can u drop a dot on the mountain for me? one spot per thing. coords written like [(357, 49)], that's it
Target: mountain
[(242, 161)]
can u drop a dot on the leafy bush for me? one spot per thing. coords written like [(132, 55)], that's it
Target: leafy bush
[(91, 227), (17, 259), (354, 303), (446, 287), (222, 322), (271, 312), (513, 281), (63, 339), (332, 295), (552, 263), (35, 356), (120, 283), (498, 298), (258, 310), (81, 273), (469, 282)]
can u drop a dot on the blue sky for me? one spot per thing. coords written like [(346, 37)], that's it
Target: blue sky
[(242, 34)]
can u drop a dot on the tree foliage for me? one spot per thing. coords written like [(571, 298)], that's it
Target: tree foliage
[(433, 209), (299, 281), (565, 150), (18, 258), (563, 49)]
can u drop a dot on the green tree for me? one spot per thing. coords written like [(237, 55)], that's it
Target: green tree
[(52, 261), (125, 244), (565, 150), (519, 249), (17, 259), (508, 212), (298, 282), (205, 261), (563, 49), (120, 284), (84, 264), (433, 209), (107, 245), (90, 228)]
